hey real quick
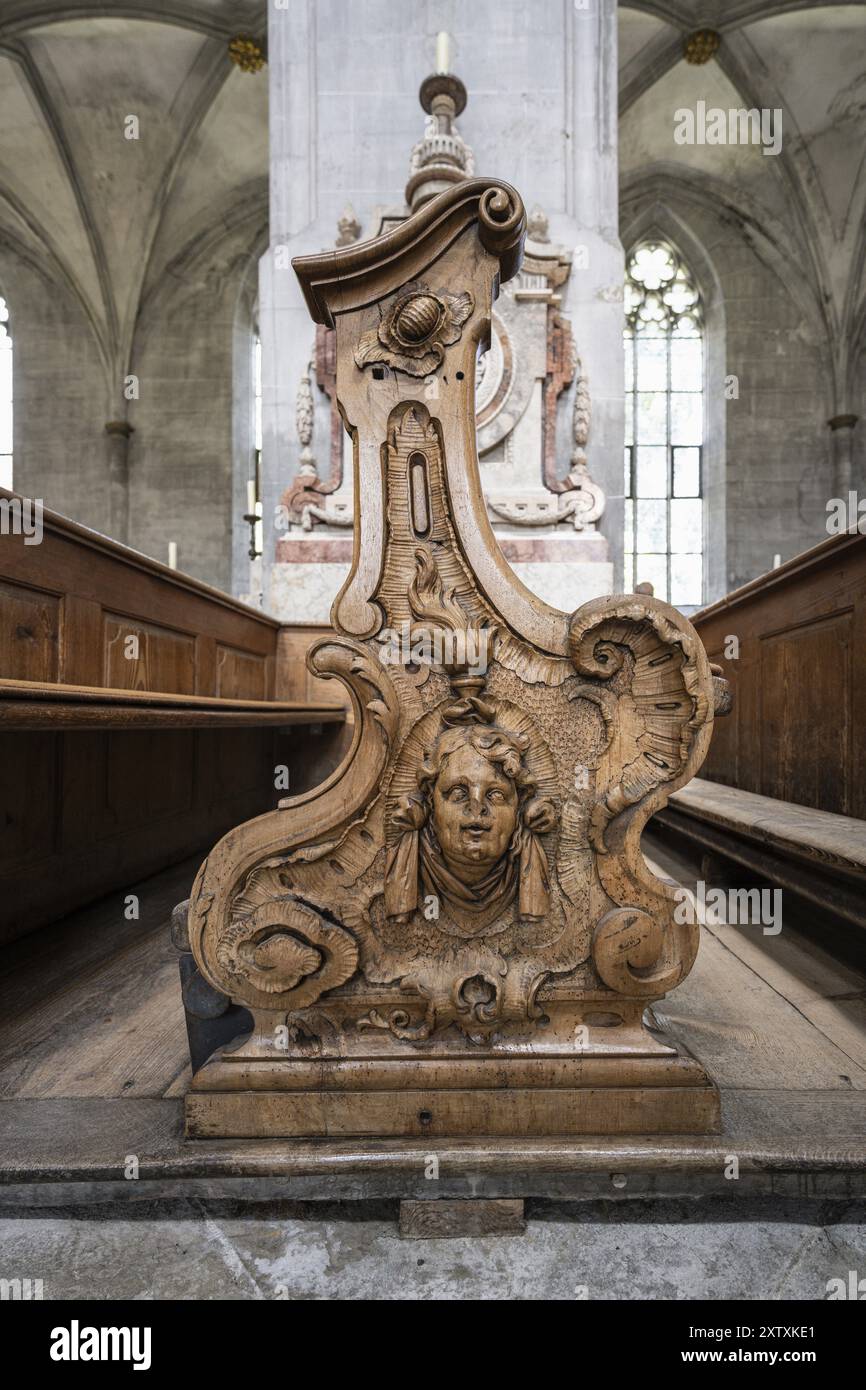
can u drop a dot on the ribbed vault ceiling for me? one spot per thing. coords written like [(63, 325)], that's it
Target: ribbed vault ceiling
[(114, 216)]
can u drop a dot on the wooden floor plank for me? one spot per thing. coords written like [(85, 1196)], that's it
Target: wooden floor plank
[(118, 1031), (746, 1035), (843, 1020), (826, 992), (62, 956), (180, 1084)]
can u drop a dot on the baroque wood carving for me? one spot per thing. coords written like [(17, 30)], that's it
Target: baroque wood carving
[(457, 933)]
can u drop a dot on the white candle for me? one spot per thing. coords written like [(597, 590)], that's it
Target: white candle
[(442, 51), (172, 555), (251, 497)]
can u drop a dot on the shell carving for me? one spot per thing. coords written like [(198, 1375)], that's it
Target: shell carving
[(418, 319), (414, 329)]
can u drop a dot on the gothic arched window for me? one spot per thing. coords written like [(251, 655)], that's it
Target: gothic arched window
[(664, 414), (5, 398)]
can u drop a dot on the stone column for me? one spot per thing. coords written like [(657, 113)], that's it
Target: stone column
[(842, 427), (594, 300), (119, 432), (299, 187)]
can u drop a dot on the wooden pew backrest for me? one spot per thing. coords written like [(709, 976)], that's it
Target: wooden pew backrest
[(796, 732)]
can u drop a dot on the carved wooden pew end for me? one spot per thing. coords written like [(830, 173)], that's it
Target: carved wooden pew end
[(457, 933)]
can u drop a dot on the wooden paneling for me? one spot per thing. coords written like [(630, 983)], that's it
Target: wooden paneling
[(139, 656), (28, 821), (805, 692), (81, 594), (29, 630), (294, 680), (115, 762), (87, 813), (150, 775), (240, 675), (796, 732)]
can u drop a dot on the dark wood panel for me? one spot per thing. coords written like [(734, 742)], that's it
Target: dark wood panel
[(29, 633), (28, 821), (798, 681), (240, 675), (83, 790), (107, 590), (805, 689), (141, 656), (87, 813), (151, 775), (250, 769)]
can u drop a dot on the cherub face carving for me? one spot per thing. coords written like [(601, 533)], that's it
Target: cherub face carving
[(474, 810), (469, 832)]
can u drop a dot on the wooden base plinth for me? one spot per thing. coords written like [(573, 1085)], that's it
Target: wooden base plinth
[(616, 1110), (444, 1220), (505, 1096)]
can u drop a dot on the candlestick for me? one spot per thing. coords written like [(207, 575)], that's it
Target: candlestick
[(442, 51), (251, 495)]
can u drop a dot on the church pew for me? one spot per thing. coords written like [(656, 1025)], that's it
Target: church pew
[(817, 855), (783, 790), (142, 714), (792, 644)]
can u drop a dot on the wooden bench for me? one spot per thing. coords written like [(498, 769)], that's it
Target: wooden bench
[(792, 644), (31, 705), (142, 714), (817, 855), (783, 792)]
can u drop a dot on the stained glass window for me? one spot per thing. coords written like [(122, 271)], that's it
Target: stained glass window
[(5, 398), (664, 517)]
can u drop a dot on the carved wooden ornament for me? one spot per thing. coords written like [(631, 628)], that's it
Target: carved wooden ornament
[(457, 933)]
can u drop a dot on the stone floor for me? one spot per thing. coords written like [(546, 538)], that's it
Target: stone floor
[(671, 1250)]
